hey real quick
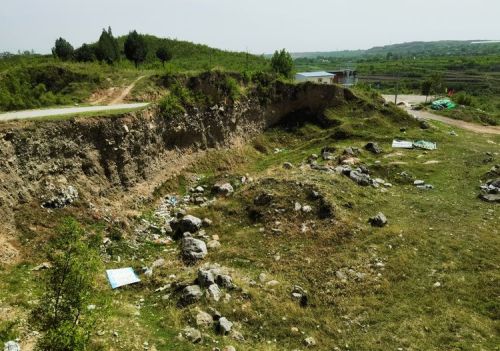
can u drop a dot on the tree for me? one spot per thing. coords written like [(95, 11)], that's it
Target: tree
[(282, 63), (62, 313), (107, 47), (164, 54), (85, 53), (63, 50), (135, 48), (426, 88)]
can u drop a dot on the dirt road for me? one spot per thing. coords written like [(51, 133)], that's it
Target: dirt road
[(416, 99), (29, 114), (113, 95)]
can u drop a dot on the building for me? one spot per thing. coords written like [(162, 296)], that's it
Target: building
[(346, 77), (315, 77)]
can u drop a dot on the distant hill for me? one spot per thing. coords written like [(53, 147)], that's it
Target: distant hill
[(416, 48)]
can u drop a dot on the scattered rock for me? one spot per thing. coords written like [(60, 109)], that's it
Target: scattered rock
[(424, 124), (192, 334), (360, 178), (206, 222), (189, 224), (158, 263), (214, 292), (213, 244), (378, 220), (224, 189), (41, 266), (191, 294), (229, 348), (287, 165), (306, 209), (224, 326), (203, 319), (418, 182), (236, 335), (310, 341), (263, 199), (224, 281), (62, 198), (373, 148), (193, 249), (494, 198), (12, 346), (205, 278)]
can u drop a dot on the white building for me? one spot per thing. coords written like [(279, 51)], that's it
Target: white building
[(321, 77)]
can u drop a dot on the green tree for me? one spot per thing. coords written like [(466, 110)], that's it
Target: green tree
[(63, 313), (426, 88), (282, 63), (163, 53), (63, 50), (107, 47), (85, 53), (135, 48)]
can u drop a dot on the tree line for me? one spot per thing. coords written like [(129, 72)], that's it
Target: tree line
[(107, 49)]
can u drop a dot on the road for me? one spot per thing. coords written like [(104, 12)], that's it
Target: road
[(30, 114), (416, 99)]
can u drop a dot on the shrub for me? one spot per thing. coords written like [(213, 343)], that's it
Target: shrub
[(464, 99), (62, 313), (170, 105)]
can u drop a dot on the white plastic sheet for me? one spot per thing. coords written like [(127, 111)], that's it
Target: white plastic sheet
[(121, 277)]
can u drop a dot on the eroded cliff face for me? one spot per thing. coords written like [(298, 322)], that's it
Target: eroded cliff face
[(109, 155)]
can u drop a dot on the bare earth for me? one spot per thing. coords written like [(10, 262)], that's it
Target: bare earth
[(113, 95), (416, 99)]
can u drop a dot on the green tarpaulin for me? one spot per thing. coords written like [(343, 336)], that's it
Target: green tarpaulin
[(443, 104)]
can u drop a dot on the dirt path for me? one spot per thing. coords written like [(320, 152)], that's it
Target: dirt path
[(113, 95), (415, 99), (120, 99)]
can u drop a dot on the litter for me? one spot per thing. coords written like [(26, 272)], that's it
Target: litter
[(121, 277), (172, 200), (427, 145), (401, 144), (420, 144)]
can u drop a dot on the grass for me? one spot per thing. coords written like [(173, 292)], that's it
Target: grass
[(445, 235)]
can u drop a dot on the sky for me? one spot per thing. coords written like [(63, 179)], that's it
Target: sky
[(257, 26)]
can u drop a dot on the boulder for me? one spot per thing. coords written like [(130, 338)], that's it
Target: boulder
[(493, 198), (193, 249), (203, 319), (189, 224), (12, 346), (224, 281), (360, 178), (378, 220), (224, 326), (310, 341), (223, 188), (192, 334), (214, 292), (205, 278), (373, 148), (191, 294), (61, 198)]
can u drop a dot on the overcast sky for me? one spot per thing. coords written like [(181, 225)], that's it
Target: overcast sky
[(259, 25)]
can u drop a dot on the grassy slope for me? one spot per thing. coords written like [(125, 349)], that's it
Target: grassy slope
[(445, 235), (40, 81)]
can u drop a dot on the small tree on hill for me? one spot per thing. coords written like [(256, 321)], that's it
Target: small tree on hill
[(63, 49), (135, 48), (85, 53), (62, 313), (163, 54), (282, 63), (107, 47)]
